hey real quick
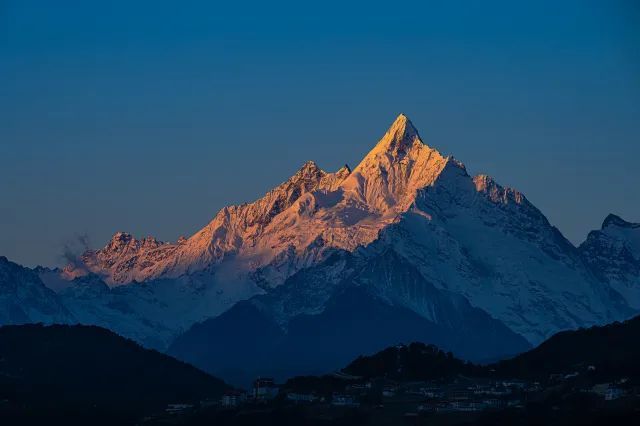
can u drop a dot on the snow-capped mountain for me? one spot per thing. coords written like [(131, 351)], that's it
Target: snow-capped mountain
[(408, 227), (153, 312), (490, 245), (292, 225), (240, 231), (464, 234), (614, 254), (25, 299)]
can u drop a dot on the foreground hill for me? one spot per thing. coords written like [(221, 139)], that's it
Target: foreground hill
[(560, 382), (416, 361), (612, 350), (564, 381), (604, 352), (64, 369)]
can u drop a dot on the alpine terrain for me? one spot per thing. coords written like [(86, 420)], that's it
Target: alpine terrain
[(405, 246)]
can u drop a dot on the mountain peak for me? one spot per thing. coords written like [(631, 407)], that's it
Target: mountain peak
[(310, 165), (400, 141), (614, 220), (399, 138), (388, 177), (402, 120), (121, 237), (310, 168), (120, 240)]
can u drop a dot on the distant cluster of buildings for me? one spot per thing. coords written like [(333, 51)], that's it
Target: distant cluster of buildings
[(468, 395), (461, 394), (610, 391), (264, 389)]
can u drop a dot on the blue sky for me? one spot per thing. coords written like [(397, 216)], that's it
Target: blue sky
[(148, 117)]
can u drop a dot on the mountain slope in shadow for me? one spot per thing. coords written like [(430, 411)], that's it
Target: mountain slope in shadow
[(61, 369)]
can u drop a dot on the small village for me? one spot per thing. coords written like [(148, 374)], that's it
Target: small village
[(461, 396)]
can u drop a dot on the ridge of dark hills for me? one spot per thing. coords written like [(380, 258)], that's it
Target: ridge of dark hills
[(86, 370)]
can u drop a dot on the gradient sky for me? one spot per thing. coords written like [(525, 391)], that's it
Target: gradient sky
[(148, 117)]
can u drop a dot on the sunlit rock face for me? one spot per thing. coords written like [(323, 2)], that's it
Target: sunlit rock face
[(293, 224), (468, 239)]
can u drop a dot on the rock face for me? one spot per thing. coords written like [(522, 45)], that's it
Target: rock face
[(236, 230), (25, 299), (408, 228), (293, 224), (614, 254)]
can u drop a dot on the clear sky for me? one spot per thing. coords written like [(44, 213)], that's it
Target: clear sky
[(150, 116)]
